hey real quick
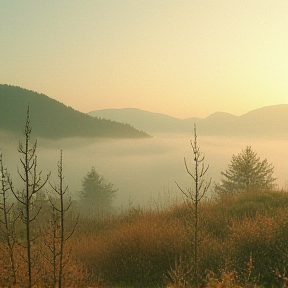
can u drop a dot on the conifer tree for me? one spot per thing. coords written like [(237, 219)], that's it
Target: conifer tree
[(246, 172), (97, 194)]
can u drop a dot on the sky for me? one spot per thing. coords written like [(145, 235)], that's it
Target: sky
[(181, 58)]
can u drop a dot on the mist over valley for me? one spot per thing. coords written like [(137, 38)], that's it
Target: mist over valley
[(143, 170), (141, 153)]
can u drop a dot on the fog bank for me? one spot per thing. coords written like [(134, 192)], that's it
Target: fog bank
[(143, 170)]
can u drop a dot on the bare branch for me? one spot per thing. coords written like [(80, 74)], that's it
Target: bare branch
[(32, 219), (73, 229)]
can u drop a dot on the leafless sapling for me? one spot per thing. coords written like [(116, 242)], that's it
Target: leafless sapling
[(57, 232), (8, 220), (32, 184), (194, 194)]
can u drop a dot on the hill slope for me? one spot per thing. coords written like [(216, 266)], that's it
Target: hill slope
[(52, 119), (143, 120), (268, 121)]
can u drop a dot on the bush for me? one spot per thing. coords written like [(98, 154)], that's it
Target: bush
[(145, 248), (137, 253), (265, 238)]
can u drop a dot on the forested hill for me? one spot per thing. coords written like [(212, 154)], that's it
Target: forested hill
[(52, 119)]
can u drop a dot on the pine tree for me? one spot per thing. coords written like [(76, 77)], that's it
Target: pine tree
[(97, 195), (246, 172)]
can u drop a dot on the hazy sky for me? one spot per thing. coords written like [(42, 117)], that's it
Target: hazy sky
[(182, 58)]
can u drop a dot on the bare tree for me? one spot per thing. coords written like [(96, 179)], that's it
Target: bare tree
[(57, 231), (194, 194), (7, 220), (32, 184)]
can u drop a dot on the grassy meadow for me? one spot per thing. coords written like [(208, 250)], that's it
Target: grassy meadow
[(243, 242)]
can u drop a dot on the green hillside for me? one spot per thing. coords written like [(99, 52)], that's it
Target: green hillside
[(52, 119)]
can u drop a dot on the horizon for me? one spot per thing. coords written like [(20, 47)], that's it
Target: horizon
[(224, 112), (134, 108), (178, 58)]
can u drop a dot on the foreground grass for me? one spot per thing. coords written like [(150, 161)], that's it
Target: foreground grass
[(142, 249), (243, 243)]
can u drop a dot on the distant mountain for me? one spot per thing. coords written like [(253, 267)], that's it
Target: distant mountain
[(220, 117), (271, 121), (52, 119), (143, 120)]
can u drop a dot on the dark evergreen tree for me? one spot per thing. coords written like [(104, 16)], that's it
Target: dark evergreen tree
[(246, 172), (96, 195)]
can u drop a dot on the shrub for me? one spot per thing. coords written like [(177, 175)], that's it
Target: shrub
[(135, 253), (264, 237)]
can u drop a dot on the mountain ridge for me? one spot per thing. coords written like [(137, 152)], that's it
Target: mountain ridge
[(268, 121), (141, 119), (52, 119)]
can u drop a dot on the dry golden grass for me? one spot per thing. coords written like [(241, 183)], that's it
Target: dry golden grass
[(150, 248), (138, 251), (75, 273)]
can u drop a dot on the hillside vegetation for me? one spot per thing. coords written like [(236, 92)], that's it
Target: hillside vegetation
[(243, 242), (244, 239), (52, 119)]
